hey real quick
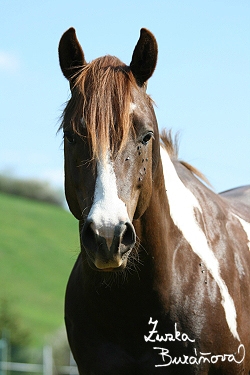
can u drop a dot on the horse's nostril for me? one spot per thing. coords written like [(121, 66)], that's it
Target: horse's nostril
[(128, 235)]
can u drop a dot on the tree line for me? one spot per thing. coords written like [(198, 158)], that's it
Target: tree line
[(32, 189)]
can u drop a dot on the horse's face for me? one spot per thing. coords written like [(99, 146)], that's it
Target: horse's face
[(108, 178)]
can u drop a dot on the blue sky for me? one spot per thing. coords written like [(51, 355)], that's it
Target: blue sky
[(201, 85)]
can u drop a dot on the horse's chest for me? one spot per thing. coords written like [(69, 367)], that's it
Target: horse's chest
[(129, 356)]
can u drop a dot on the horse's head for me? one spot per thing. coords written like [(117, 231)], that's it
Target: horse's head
[(111, 145)]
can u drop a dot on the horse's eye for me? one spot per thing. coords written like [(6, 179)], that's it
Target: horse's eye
[(69, 136), (147, 138)]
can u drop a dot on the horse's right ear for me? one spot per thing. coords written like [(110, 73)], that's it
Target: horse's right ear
[(71, 56), (144, 57)]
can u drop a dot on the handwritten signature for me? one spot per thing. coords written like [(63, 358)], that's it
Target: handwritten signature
[(197, 358)]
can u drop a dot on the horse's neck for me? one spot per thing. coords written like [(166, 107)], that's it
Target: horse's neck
[(156, 230)]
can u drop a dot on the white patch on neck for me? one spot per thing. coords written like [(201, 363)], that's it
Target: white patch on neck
[(182, 204), (108, 210), (246, 227)]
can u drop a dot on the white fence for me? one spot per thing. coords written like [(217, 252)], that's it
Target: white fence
[(47, 367)]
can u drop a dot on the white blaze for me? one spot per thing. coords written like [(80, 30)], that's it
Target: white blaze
[(182, 203), (108, 210), (132, 107)]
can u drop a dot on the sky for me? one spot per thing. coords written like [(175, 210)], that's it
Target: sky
[(201, 85)]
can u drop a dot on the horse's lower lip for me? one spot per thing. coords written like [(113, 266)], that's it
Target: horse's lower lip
[(111, 265), (109, 269)]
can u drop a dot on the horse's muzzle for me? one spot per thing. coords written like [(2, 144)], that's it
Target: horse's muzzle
[(108, 247)]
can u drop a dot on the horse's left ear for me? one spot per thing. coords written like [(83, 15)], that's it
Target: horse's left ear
[(71, 56), (144, 57)]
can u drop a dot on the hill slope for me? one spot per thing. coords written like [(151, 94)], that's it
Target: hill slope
[(38, 246)]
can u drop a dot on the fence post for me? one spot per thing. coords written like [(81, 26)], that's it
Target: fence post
[(4, 351), (71, 363), (47, 360)]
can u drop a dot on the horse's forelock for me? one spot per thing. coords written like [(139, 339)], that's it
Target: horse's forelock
[(102, 96)]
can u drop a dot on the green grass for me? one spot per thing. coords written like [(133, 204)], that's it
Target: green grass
[(38, 247)]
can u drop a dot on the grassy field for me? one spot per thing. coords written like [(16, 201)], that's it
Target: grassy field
[(38, 246)]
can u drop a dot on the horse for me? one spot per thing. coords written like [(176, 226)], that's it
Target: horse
[(162, 281)]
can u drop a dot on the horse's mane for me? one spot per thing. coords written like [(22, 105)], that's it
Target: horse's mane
[(102, 95), (171, 145)]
